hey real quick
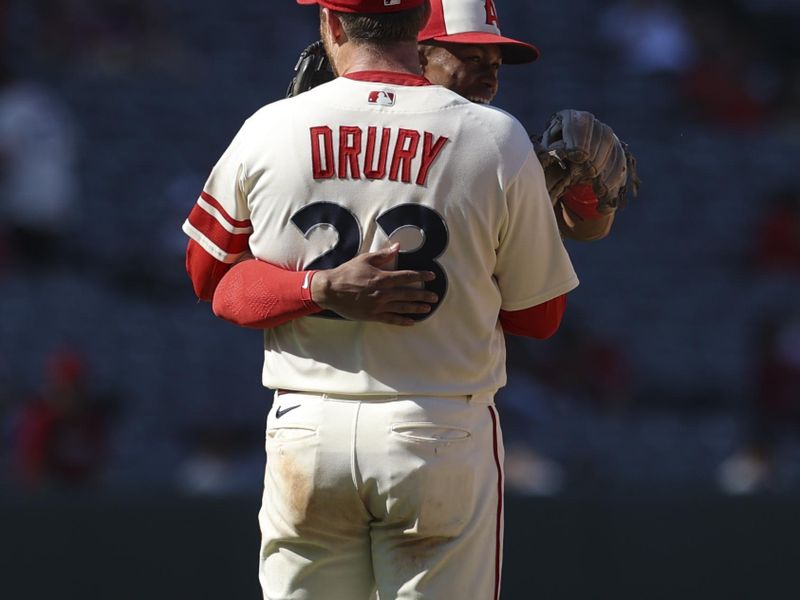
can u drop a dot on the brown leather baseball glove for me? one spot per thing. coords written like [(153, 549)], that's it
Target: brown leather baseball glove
[(577, 148)]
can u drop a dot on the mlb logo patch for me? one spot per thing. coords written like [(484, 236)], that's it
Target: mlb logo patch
[(381, 97), (391, 2)]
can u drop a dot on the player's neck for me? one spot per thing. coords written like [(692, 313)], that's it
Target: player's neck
[(402, 57)]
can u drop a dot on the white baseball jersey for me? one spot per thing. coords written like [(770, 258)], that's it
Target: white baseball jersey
[(354, 165)]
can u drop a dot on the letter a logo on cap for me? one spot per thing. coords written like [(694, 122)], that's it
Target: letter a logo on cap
[(491, 13), (391, 2)]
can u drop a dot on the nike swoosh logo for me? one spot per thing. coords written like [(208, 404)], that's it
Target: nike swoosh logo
[(282, 411)]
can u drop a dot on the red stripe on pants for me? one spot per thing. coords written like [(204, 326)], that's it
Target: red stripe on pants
[(498, 535)]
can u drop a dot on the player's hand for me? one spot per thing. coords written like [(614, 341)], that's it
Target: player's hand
[(366, 288), (577, 215)]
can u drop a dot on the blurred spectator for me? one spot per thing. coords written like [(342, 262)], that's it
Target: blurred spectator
[(38, 178), (733, 82), (650, 36), (778, 233), (776, 404), (61, 436)]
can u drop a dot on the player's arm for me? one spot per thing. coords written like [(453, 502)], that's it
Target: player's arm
[(258, 294), (205, 271), (218, 226), (213, 248), (261, 295), (588, 170), (540, 321), (533, 269)]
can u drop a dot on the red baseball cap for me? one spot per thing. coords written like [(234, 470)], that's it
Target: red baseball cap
[(473, 22), (365, 6)]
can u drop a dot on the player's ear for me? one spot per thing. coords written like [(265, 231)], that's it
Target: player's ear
[(333, 24)]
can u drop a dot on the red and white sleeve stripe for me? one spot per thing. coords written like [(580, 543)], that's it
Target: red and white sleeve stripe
[(223, 237)]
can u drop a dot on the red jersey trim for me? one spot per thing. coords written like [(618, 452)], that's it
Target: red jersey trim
[(390, 77), (213, 202), (498, 544), (205, 223)]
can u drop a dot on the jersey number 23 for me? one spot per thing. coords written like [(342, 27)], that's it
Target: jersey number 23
[(422, 258)]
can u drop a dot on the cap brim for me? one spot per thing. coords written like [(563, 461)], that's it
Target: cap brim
[(514, 51), (373, 7)]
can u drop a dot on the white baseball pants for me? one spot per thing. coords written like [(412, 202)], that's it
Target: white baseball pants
[(399, 494)]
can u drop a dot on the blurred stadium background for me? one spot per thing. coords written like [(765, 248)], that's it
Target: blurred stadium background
[(652, 444)]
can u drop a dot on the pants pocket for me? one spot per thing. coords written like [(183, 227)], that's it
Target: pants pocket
[(430, 433), (435, 481), (290, 433)]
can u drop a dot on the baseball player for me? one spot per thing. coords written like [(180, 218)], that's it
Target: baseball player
[(461, 48), (398, 230), (588, 169)]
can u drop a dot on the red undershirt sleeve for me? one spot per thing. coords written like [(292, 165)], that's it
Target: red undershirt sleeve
[(204, 270), (540, 321), (258, 294)]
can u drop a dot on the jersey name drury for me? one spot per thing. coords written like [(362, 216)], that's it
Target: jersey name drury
[(378, 153)]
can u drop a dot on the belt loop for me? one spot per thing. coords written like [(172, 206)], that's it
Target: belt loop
[(483, 398)]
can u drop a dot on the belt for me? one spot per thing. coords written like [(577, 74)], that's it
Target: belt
[(334, 396), (480, 398)]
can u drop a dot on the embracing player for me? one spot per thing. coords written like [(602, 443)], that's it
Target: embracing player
[(588, 169), (384, 452)]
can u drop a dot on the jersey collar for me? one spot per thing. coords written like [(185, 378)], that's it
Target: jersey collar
[(390, 77)]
